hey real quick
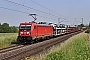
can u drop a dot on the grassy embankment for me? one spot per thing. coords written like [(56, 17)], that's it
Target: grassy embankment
[(7, 39), (75, 48)]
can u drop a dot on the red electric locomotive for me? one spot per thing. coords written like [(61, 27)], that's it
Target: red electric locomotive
[(29, 31)]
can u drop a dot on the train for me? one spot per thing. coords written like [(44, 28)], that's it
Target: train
[(34, 32)]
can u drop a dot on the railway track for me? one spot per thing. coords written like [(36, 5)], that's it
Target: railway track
[(5, 52), (21, 51), (13, 47), (8, 47)]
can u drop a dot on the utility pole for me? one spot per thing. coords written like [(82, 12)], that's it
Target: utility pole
[(58, 21), (82, 20)]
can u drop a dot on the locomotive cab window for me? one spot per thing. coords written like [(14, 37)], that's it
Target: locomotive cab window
[(25, 27)]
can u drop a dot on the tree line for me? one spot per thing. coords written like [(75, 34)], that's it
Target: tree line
[(5, 28)]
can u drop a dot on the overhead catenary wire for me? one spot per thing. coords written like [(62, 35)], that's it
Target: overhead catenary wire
[(46, 17), (14, 10), (23, 5), (40, 5), (77, 20), (46, 8), (24, 12), (29, 7), (33, 8)]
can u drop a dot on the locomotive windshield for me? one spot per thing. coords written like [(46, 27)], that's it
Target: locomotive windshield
[(25, 27)]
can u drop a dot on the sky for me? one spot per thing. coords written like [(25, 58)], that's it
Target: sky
[(68, 12)]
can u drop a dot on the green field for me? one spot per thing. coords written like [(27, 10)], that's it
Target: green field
[(7, 39)]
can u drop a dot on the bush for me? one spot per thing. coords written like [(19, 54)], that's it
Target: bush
[(87, 31), (5, 28)]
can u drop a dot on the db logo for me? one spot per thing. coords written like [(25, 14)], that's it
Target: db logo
[(24, 32)]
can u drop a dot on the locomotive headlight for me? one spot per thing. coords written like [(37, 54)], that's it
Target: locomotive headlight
[(21, 32), (28, 32)]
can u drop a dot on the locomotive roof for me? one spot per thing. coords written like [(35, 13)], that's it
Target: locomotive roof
[(27, 22), (23, 23)]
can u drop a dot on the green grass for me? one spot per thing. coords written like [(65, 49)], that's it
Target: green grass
[(76, 48), (7, 39)]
